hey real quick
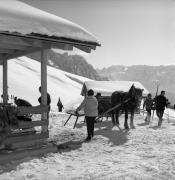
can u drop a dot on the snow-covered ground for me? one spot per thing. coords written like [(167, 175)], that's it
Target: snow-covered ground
[(146, 153)]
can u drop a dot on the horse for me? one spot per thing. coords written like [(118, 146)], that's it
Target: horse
[(22, 102), (128, 102)]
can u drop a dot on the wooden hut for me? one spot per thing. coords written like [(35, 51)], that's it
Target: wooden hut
[(106, 88), (23, 30)]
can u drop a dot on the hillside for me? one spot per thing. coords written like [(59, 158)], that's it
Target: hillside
[(149, 76), (75, 64)]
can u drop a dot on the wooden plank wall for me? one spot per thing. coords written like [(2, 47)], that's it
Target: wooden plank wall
[(24, 135)]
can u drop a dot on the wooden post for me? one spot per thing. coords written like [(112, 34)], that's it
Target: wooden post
[(5, 88), (44, 86)]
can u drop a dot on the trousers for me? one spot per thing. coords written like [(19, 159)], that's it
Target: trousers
[(90, 125)]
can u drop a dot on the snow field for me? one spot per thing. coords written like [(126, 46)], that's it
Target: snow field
[(146, 152)]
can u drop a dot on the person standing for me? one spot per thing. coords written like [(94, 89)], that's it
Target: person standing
[(160, 104), (148, 103), (60, 105), (98, 96), (48, 101), (90, 105)]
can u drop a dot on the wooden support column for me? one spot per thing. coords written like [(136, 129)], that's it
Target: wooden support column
[(5, 87), (44, 86)]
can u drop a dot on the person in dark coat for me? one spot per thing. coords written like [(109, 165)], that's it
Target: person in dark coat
[(60, 105), (160, 104), (48, 101)]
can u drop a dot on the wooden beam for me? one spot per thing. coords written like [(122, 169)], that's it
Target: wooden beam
[(12, 40), (25, 124), (14, 139), (6, 51), (44, 86), (33, 43), (54, 40), (22, 53), (63, 46), (5, 88), (29, 144), (82, 48), (22, 110), (12, 47)]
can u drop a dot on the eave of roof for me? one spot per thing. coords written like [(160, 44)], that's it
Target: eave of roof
[(20, 19)]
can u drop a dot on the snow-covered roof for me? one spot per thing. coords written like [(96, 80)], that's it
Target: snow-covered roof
[(20, 18), (106, 88)]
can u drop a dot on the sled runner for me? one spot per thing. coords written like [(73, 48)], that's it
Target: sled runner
[(72, 113)]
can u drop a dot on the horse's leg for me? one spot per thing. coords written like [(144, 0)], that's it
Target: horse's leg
[(126, 119), (132, 119), (113, 118), (117, 117)]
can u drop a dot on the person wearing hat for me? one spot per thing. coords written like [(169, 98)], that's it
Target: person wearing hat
[(90, 105)]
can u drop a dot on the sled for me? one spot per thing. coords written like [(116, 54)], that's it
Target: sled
[(73, 113)]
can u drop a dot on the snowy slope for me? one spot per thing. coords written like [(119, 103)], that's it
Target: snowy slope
[(24, 80)]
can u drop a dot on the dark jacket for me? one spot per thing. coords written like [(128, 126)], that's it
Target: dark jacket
[(48, 99), (160, 102)]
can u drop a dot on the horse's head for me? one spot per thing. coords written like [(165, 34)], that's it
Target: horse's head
[(132, 92)]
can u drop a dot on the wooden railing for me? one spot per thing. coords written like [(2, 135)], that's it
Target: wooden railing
[(32, 110), (24, 134)]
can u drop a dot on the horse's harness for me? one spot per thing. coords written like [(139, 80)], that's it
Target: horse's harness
[(113, 108)]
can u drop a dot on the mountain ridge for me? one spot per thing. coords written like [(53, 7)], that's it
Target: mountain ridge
[(75, 64), (149, 76)]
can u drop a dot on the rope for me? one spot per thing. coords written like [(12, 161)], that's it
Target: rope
[(111, 109)]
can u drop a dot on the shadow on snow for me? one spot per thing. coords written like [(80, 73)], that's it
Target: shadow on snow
[(116, 135)]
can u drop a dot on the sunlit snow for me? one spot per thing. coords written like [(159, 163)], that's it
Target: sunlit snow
[(146, 153)]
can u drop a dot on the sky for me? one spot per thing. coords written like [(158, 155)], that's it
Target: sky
[(131, 32)]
